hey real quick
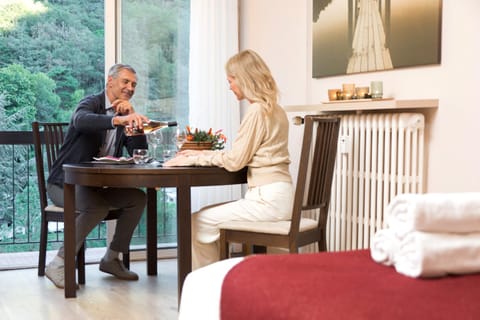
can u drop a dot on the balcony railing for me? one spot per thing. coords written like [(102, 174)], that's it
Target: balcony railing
[(19, 203)]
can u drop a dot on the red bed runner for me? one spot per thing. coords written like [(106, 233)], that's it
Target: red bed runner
[(341, 285)]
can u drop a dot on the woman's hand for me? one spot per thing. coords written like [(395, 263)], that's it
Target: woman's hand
[(179, 160), (190, 152), (186, 158)]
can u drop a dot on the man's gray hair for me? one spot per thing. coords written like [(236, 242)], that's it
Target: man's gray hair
[(116, 68)]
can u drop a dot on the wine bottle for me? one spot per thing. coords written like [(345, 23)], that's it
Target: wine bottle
[(149, 127)]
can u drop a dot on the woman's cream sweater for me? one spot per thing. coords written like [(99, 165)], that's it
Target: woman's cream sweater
[(261, 144)]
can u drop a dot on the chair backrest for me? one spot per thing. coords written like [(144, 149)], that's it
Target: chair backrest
[(316, 168), (47, 140)]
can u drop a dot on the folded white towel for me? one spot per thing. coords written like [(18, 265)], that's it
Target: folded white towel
[(424, 254), (434, 212), (384, 246)]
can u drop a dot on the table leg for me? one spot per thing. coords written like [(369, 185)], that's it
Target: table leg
[(69, 240), (151, 231), (184, 234)]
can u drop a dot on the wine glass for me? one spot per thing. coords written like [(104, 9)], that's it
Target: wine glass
[(154, 139), (180, 138), (140, 156), (168, 151)]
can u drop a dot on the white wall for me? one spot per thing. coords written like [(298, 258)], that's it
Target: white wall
[(280, 31)]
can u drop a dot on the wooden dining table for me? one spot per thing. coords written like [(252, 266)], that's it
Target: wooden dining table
[(149, 177)]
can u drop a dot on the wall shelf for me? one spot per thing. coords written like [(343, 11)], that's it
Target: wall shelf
[(365, 105)]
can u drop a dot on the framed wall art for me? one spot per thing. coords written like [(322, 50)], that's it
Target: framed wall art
[(353, 36)]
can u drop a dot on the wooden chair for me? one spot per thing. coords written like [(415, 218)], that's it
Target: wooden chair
[(312, 195), (47, 140)]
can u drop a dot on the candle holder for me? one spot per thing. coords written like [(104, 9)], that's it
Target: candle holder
[(376, 89), (348, 90), (333, 94), (362, 92)]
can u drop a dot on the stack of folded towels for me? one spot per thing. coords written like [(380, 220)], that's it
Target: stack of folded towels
[(430, 235)]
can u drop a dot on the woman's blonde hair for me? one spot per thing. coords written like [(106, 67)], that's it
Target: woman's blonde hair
[(253, 78)]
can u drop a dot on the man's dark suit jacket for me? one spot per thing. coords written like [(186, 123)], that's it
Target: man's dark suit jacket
[(86, 134)]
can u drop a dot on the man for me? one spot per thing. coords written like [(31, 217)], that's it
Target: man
[(97, 129)]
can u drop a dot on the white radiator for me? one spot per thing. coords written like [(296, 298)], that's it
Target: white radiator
[(379, 156)]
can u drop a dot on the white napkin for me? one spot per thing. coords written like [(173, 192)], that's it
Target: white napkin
[(113, 160)]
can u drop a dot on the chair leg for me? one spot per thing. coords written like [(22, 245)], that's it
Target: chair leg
[(42, 250), (224, 247), (81, 265), (322, 243), (259, 249), (126, 260)]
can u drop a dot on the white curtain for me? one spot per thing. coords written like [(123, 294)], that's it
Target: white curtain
[(213, 39)]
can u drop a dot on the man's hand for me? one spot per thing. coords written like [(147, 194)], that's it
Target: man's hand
[(132, 120), (122, 107)]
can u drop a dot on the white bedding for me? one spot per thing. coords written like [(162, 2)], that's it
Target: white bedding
[(202, 289)]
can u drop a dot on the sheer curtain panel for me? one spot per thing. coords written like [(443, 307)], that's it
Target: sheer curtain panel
[(213, 39)]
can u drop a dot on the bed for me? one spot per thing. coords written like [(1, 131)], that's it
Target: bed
[(327, 285)]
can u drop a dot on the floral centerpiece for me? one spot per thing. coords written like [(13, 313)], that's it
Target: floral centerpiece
[(204, 140)]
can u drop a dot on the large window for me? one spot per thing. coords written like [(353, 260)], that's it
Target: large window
[(52, 55), (54, 52), (153, 37)]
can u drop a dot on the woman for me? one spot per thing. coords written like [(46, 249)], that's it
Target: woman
[(261, 145)]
